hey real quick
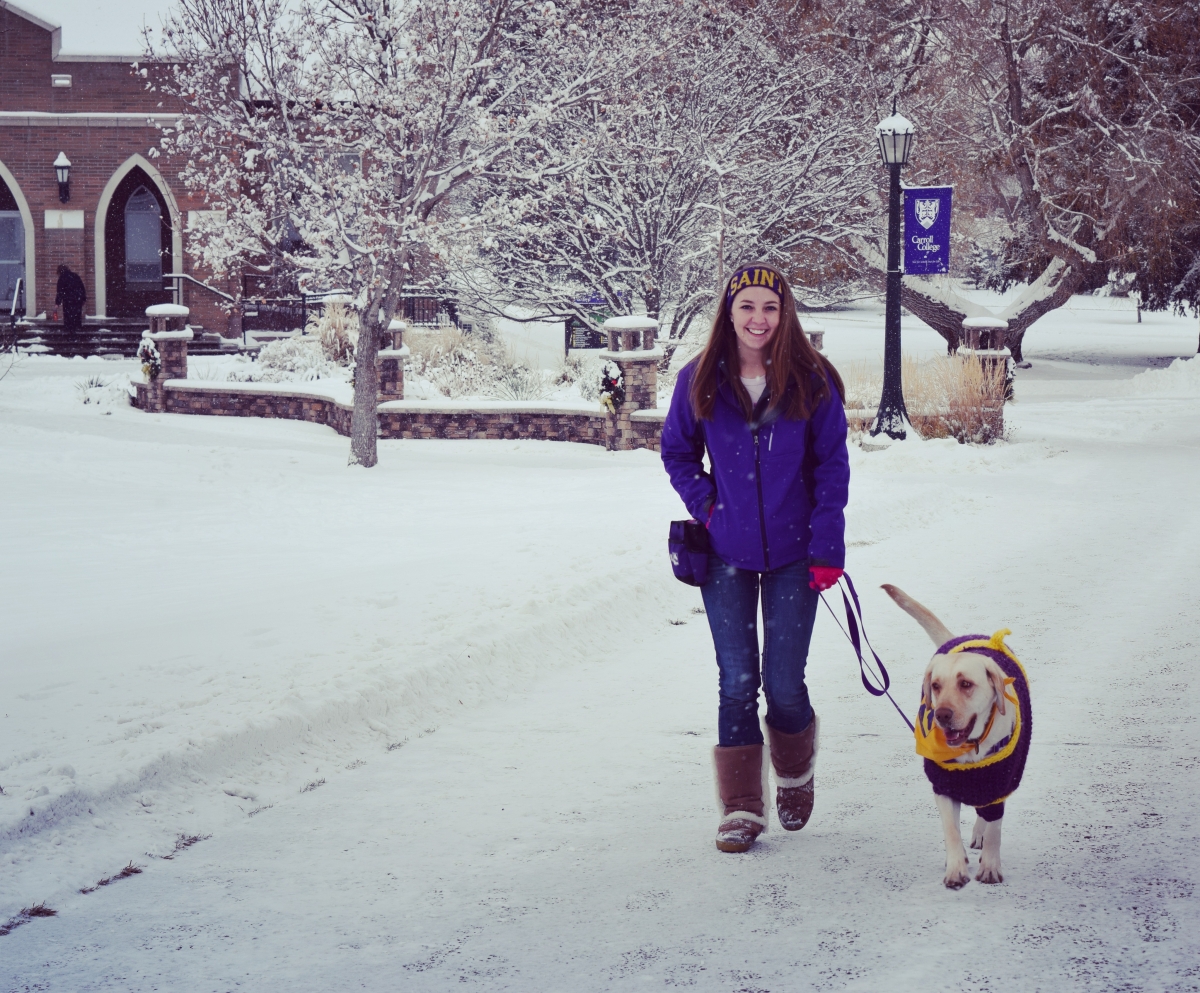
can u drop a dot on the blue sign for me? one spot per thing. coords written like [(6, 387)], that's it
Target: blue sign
[(927, 230)]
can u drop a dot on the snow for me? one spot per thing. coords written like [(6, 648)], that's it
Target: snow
[(643, 354), (631, 322), (539, 344), (338, 390), (447, 721), (167, 310), (984, 322), (1180, 379)]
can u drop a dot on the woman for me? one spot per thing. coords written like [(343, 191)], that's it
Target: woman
[(768, 407)]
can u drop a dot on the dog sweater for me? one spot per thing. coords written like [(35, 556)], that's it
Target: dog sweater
[(989, 780)]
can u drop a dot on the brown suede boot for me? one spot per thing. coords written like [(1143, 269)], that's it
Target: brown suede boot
[(794, 757), (740, 785)]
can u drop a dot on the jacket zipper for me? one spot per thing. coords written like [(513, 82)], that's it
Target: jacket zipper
[(762, 517)]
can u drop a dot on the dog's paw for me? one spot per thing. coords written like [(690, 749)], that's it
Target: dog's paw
[(956, 876), (989, 873), (977, 843)]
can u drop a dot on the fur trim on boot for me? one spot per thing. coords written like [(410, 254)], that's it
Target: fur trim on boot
[(794, 757), (739, 775)]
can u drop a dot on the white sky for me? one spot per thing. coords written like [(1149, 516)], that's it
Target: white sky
[(99, 27)]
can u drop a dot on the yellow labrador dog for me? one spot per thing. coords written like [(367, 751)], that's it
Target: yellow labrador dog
[(973, 730)]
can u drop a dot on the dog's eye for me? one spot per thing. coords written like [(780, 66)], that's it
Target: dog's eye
[(966, 684), (936, 687)]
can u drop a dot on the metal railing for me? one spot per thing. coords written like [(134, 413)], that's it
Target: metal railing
[(18, 294), (181, 276)]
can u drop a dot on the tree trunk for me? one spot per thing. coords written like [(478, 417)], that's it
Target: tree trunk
[(1048, 292), (364, 422), (944, 319)]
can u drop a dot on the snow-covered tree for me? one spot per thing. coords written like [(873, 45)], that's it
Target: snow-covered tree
[(1058, 118), (729, 145), (353, 124)]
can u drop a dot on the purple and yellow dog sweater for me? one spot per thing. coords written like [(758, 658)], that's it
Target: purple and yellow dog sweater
[(989, 780)]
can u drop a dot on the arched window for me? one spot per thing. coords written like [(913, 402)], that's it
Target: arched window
[(143, 241), (12, 250)]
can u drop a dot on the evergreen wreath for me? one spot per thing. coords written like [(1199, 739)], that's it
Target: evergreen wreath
[(612, 386), (151, 364)]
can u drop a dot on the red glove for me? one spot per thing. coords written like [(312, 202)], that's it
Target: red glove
[(823, 576)]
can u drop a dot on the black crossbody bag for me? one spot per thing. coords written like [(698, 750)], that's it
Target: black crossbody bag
[(689, 547)]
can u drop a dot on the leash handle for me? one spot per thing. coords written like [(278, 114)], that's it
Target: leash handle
[(855, 624)]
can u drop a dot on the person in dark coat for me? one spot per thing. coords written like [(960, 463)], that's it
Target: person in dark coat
[(72, 295)]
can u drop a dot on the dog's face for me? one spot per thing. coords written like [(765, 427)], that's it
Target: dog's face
[(961, 688)]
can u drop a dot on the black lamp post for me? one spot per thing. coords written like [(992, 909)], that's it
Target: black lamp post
[(895, 136), (62, 169)]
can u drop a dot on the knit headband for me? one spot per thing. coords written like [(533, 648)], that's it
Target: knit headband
[(754, 275)]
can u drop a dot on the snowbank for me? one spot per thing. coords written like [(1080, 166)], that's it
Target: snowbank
[(1180, 379)]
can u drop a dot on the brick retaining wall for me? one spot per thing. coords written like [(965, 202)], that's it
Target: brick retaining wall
[(405, 418)]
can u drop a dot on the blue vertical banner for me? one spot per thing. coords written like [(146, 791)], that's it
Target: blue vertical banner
[(927, 230)]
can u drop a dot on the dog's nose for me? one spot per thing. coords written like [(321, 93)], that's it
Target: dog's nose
[(944, 716)]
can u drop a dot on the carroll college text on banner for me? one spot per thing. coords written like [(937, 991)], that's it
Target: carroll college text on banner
[(927, 229)]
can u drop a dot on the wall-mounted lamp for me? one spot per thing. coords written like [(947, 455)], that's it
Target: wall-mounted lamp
[(62, 169)]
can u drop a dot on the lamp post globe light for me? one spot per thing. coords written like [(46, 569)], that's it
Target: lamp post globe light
[(895, 135)]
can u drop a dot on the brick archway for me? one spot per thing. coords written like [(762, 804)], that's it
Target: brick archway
[(102, 210), (7, 178)]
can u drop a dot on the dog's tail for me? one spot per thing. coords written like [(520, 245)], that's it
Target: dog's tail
[(924, 616)]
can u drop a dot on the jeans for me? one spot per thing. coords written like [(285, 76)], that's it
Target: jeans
[(789, 609)]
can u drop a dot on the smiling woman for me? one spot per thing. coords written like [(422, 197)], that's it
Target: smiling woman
[(767, 408)]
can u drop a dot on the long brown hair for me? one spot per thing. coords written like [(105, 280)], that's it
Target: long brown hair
[(790, 359)]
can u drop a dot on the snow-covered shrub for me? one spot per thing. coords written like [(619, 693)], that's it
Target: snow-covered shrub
[(100, 391), (86, 388), (514, 381), (459, 365), (299, 359), (336, 328), (444, 359), (585, 370)]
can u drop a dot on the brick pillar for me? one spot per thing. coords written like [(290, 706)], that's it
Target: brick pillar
[(816, 333), (391, 363), (171, 344), (632, 346), (984, 340)]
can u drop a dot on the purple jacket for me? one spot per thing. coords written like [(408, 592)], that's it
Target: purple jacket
[(780, 485)]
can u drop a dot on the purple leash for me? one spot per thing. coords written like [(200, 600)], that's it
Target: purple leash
[(854, 622)]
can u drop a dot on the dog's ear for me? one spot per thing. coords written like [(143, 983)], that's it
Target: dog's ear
[(996, 677), (926, 693)]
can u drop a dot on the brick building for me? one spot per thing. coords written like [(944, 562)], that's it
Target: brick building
[(121, 221)]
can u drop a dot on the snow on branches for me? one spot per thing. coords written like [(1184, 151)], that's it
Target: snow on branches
[(333, 133), (728, 145)]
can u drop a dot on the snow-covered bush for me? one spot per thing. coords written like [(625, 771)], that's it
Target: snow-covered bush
[(100, 391), (459, 365), (517, 382), (336, 328), (584, 370), (289, 360)]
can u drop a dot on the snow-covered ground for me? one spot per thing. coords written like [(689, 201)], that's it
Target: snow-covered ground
[(446, 722)]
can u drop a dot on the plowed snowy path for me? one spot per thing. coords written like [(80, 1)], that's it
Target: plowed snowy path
[(554, 830)]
